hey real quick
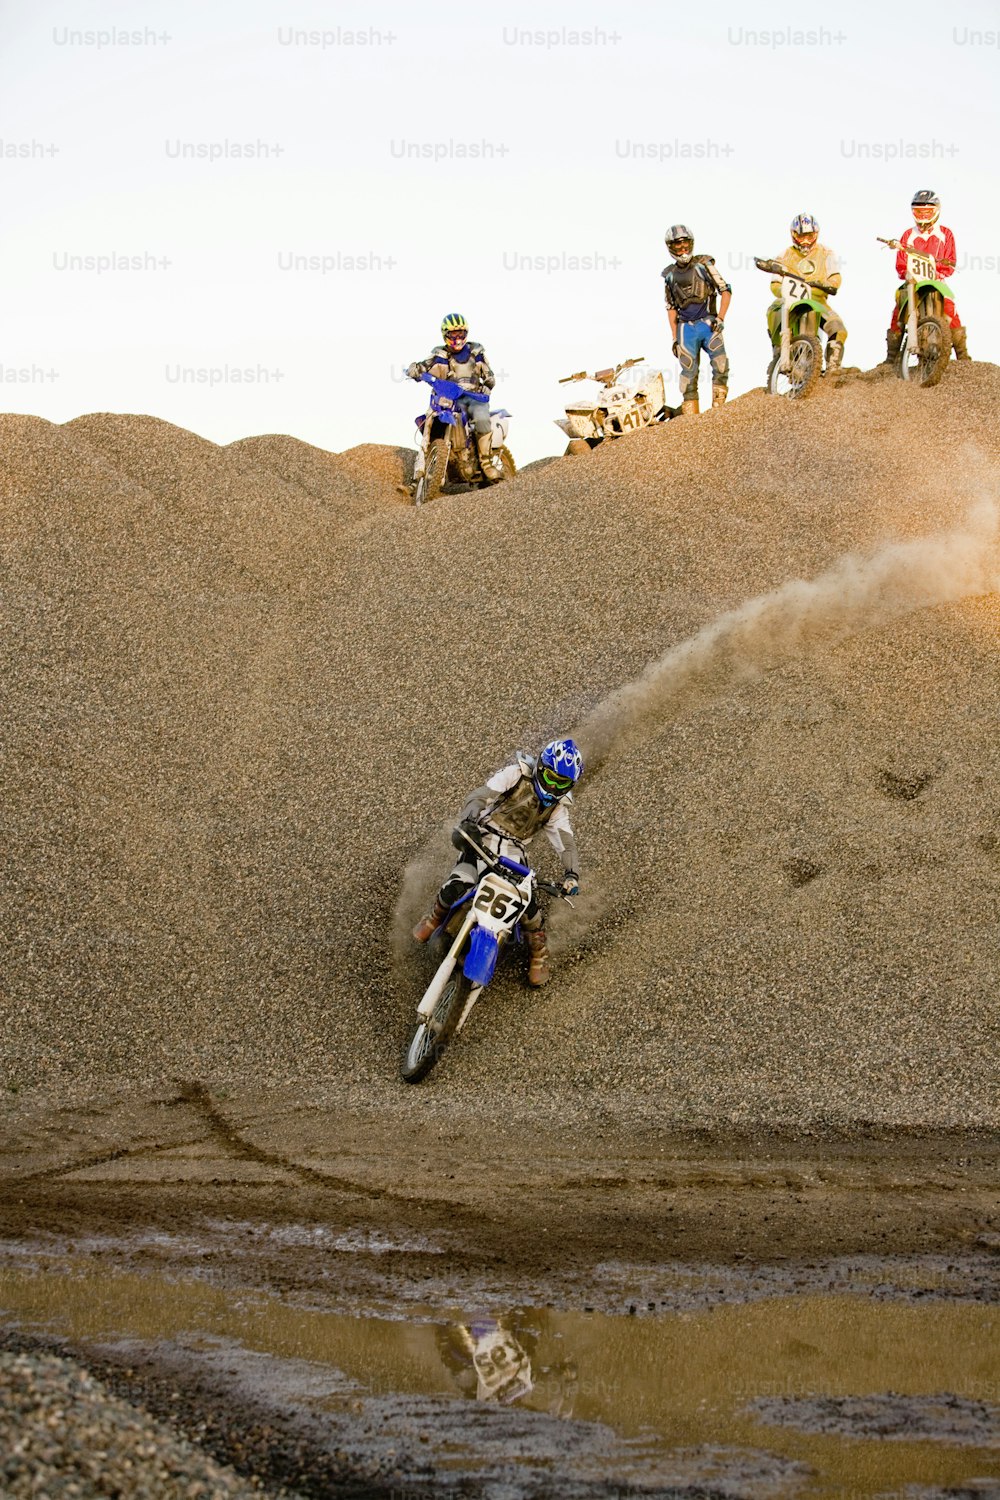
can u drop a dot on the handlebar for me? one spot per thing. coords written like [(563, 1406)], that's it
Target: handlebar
[(775, 268), (607, 377), (451, 388), (500, 862)]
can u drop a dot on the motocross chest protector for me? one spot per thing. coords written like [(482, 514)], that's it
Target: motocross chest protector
[(690, 285), (518, 814)]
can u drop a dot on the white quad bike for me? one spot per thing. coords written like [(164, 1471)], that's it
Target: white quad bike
[(475, 930), (616, 410)]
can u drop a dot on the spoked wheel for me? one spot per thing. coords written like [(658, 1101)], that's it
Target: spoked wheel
[(507, 463), (926, 364), (430, 1038), (435, 469), (805, 368)]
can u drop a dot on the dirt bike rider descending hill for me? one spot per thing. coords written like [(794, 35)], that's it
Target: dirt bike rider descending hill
[(465, 362), (926, 235), (503, 816), (817, 264), (692, 288)]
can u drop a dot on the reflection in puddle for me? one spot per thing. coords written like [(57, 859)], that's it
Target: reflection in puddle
[(668, 1385)]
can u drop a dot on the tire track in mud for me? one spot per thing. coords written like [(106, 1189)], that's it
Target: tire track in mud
[(194, 1095), (197, 1097)]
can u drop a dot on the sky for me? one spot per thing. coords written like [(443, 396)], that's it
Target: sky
[(248, 218)]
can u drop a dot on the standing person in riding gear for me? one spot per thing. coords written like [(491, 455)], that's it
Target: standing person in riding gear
[(503, 816), (931, 238), (692, 288), (814, 262), (465, 362)]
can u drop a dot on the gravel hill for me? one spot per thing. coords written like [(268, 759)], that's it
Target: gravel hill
[(247, 686)]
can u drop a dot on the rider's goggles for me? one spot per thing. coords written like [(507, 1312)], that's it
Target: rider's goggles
[(680, 246), (806, 241), (559, 785), (456, 337), (924, 213)]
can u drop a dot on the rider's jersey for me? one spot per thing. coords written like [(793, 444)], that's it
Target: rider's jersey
[(817, 264), (693, 290), (469, 367), (507, 805), (938, 241)]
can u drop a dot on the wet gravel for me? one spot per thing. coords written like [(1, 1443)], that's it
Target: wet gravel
[(64, 1434), (944, 1418)]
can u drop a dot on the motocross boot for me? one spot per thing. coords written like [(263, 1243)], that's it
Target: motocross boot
[(719, 394), (689, 407), (958, 336), (489, 464), (834, 356), (538, 966), (428, 926), (893, 344)]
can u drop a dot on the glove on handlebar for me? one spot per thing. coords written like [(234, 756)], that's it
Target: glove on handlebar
[(571, 883), (467, 829)]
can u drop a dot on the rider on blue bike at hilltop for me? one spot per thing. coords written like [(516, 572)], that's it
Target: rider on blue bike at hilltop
[(463, 361), (503, 816)]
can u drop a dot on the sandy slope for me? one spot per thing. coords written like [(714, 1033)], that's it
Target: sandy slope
[(246, 685)]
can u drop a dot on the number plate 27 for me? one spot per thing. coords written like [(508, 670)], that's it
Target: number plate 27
[(795, 290)]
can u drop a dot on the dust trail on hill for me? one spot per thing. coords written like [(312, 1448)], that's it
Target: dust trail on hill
[(857, 593)]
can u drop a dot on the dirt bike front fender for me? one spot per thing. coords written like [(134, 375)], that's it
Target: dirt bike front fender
[(481, 958)]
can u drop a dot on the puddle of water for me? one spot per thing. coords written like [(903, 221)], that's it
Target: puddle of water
[(666, 1384)]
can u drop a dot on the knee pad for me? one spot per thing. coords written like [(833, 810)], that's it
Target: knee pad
[(454, 888)]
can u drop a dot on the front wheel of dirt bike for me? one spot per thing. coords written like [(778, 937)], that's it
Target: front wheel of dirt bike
[(435, 471), (430, 1038), (576, 446), (933, 352), (805, 368)]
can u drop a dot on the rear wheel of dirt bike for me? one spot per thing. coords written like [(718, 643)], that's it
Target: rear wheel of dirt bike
[(430, 1038), (507, 463), (805, 368), (576, 446), (933, 352), (435, 471)]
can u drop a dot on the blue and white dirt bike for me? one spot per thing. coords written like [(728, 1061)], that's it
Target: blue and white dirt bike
[(446, 441), (474, 932)]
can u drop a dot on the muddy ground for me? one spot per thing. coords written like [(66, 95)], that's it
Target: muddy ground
[(311, 1213)]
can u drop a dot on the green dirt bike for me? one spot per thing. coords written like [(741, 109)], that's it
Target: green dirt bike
[(926, 346), (797, 362)]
